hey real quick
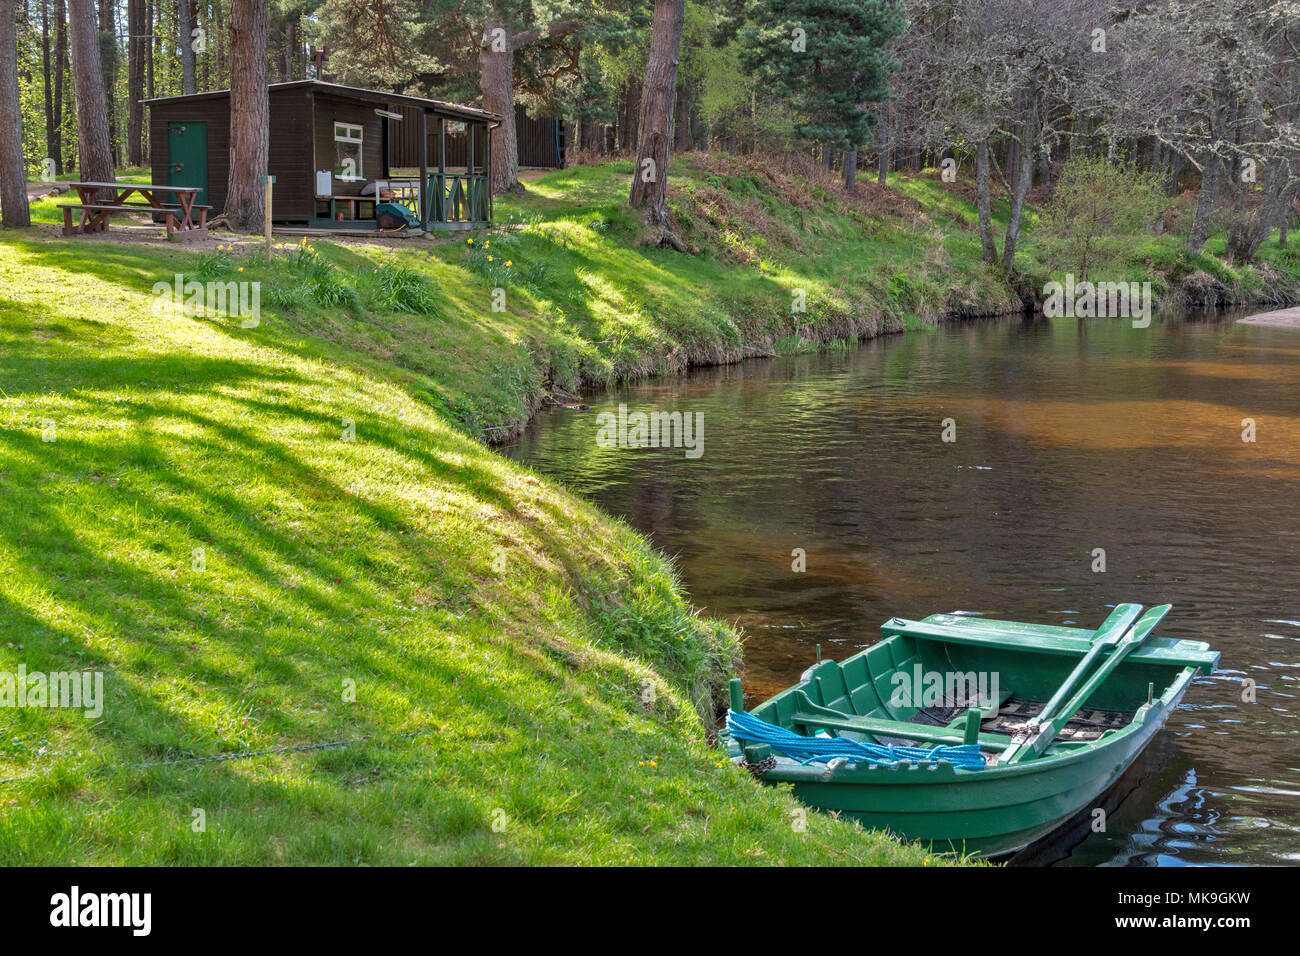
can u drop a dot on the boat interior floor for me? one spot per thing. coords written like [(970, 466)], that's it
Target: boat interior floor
[(1086, 725)]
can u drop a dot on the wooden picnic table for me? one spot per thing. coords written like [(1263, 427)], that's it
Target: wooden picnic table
[(101, 201)]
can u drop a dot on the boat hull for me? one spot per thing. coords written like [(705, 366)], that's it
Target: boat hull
[(986, 813)]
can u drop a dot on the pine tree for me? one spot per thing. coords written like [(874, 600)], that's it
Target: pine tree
[(827, 59)]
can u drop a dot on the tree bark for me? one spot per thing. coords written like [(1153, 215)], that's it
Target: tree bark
[(496, 65), (655, 123), (60, 71), (108, 63), (1024, 178), (135, 56), (185, 20), (51, 135), (1206, 200), (882, 145), (290, 44), (984, 203), (13, 178), (94, 155), (249, 130), (682, 140), (851, 171)]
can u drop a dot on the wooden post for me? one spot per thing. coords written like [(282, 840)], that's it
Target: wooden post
[(268, 181), (424, 170)]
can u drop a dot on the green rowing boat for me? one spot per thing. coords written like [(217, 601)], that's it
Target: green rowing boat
[(972, 735)]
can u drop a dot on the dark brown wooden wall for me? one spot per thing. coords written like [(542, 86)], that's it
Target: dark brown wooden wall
[(330, 111), (536, 138), (289, 154)]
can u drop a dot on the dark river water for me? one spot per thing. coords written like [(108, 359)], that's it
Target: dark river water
[(1071, 436)]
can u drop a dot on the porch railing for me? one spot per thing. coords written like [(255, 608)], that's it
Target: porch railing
[(457, 197)]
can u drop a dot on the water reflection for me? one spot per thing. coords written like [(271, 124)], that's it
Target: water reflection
[(1072, 436)]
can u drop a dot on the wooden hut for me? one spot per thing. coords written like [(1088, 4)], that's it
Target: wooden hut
[(336, 152)]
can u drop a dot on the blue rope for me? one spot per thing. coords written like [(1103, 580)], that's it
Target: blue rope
[(822, 749)]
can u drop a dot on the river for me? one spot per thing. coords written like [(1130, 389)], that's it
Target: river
[(1070, 436)]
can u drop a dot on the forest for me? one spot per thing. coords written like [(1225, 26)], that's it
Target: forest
[(1199, 94)]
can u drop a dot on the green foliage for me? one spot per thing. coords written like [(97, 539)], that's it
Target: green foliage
[(395, 288), (826, 58), (214, 265), (1099, 218), (322, 281)]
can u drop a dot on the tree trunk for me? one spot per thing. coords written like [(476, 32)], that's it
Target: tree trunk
[(1206, 200), (1024, 179), (51, 135), (290, 43), (108, 68), (135, 55), (682, 112), (60, 71), (150, 52), (496, 64), (13, 178), (655, 123), (94, 155), (627, 124), (249, 130), (185, 19), (851, 171), (984, 203), (882, 144)]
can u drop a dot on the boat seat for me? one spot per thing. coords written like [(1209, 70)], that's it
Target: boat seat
[(1089, 723)]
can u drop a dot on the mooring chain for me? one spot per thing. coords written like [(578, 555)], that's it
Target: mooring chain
[(245, 754)]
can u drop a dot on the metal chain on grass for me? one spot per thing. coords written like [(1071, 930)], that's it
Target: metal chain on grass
[(245, 754)]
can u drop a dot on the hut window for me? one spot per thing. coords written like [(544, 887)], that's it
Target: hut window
[(347, 151)]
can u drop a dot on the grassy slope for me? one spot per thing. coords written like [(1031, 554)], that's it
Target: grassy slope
[(543, 647), (463, 595)]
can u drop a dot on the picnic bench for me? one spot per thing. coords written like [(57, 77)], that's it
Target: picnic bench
[(101, 201)]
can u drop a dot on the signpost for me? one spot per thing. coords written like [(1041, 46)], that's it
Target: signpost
[(269, 181)]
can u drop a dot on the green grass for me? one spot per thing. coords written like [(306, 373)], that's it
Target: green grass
[(201, 530), (182, 512)]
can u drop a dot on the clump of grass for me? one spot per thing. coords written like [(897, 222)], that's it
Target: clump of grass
[(214, 265), (322, 281), (399, 289), (501, 266)]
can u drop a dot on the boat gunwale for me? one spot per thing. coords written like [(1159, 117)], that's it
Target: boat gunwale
[(941, 771)]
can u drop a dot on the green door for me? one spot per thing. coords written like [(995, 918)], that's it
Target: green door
[(187, 157)]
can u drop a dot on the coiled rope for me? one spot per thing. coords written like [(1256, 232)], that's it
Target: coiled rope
[(823, 749)]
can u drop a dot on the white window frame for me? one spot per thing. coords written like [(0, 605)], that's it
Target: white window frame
[(358, 141)]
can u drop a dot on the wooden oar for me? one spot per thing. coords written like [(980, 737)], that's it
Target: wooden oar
[(1104, 638), (1043, 730)]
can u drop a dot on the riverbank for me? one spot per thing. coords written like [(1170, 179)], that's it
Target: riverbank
[(284, 530), (332, 627)]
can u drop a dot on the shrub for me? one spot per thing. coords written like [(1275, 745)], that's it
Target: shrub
[(1099, 216)]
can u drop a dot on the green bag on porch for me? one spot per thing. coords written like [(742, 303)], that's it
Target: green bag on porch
[(391, 217)]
